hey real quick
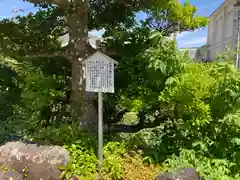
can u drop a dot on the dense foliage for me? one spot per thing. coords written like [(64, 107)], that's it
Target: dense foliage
[(180, 113), (203, 103), (20, 37), (195, 105)]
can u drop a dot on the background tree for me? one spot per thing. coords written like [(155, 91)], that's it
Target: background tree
[(20, 37)]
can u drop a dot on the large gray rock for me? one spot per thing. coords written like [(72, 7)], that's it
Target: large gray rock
[(40, 161), (180, 174)]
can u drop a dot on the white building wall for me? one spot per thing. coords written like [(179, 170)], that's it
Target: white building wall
[(221, 33)]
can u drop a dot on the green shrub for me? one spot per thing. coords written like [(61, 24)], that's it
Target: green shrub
[(84, 162), (201, 108), (113, 159), (117, 163), (83, 165)]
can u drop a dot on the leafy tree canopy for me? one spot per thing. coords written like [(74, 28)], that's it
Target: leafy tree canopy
[(34, 39), (22, 34)]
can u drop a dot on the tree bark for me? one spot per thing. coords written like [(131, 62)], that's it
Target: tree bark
[(83, 109)]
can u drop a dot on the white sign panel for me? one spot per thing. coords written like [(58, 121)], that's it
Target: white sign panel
[(99, 74)]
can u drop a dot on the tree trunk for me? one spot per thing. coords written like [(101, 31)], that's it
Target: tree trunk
[(83, 109)]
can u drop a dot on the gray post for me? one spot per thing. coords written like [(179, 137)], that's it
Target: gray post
[(100, 128)]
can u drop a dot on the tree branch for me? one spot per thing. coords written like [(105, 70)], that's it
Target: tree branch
[(134, 128), (131, 128), (47, 55), (61, 3), (67, 52), (36, 55)]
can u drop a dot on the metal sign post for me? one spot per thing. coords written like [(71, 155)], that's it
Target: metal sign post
[(100, 78), (100, 128)]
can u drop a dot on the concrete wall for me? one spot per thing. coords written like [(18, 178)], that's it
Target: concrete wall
[(221, 33), (191, 51)]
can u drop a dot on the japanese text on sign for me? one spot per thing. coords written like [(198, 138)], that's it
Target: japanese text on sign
[(100, 76)]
